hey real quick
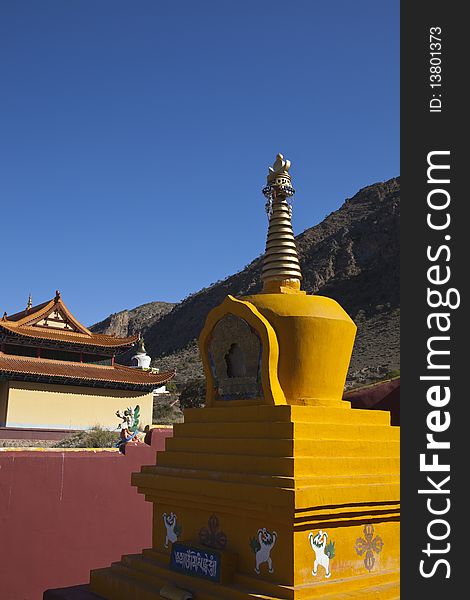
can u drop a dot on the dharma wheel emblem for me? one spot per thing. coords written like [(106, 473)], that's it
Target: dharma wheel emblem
[(211, 536), (368, 545)]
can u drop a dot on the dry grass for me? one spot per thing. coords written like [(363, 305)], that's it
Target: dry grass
[(96, 437)]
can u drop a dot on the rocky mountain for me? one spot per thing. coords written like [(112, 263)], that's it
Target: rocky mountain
[(131, 322), (351, 256)]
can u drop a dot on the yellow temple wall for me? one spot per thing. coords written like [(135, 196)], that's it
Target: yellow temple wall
[(32, 404)]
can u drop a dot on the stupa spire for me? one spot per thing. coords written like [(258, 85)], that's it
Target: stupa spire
[(281, 268)]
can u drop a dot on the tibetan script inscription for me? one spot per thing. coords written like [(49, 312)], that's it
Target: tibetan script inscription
[(195, 561)]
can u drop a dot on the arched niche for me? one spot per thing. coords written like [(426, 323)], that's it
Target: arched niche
[(235, 352), (240, 354)]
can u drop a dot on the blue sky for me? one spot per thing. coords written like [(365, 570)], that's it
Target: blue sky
[(135, 136)]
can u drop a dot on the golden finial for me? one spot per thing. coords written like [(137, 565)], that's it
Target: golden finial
[(281, 269), (140, 345), (279, 170), (30, 303)]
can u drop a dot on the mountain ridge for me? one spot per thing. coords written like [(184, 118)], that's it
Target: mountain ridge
[(129, 322), (351, 256)]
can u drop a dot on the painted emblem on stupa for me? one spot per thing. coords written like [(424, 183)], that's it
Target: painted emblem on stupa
[(173, 529), (369, 545), (211, 535), (262, 546), (324, 551)]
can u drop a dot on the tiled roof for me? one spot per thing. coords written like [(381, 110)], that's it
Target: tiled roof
[(71, 337), (28, 312), (116, 374), (25, 323)]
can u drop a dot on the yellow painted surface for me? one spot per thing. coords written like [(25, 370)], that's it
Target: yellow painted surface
[(57, 450), (315, 337), (269, 466), (70, 407), (273, 393), (298, 462), (307, 344)]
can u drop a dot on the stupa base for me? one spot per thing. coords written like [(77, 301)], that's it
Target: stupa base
[(142, 576)]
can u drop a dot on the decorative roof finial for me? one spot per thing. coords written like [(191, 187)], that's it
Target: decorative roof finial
[(281, 269), (30, 303), (141, 359), (57, 296)]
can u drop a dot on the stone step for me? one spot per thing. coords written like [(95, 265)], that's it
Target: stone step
[(282, 413), (273, 480), (254, 495), (280, 465), (287, 430), (354, 586), (141, 570), (284, 447), (384, 591), (140, 577), (117, 583)]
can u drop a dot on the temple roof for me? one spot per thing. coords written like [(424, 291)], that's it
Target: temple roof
[(29, 368), (53, 321)]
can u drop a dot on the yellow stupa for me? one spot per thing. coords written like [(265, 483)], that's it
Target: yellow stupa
[(277, 489)]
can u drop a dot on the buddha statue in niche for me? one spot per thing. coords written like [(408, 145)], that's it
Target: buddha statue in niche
[(235, 355), (235, 360)]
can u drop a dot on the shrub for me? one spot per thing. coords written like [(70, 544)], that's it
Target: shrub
[(193, 394), (166, 410), (171, 386), (96, 437)]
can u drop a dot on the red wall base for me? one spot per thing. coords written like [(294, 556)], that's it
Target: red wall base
[(384, 395), (63, 513)]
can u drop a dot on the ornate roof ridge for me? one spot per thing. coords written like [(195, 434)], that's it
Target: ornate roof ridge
[(34, 314), (25, 312), (24, 323), (34, 359), (30, 366), (72, 337)]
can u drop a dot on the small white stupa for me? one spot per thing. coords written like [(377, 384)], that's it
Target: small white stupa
[(141, 360)]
